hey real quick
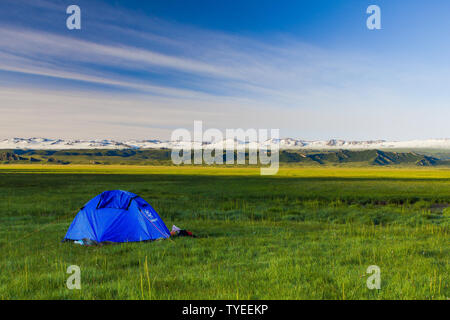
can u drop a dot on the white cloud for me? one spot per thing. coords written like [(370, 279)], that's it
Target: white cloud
[(56, 114)]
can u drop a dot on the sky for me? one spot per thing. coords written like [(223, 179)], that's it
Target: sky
[(141, 69)]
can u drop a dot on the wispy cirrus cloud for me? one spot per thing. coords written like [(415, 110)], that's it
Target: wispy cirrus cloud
[(129, 47), (226, 68)]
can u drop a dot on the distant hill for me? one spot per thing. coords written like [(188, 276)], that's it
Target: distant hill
[(367, 157), (163, 157)]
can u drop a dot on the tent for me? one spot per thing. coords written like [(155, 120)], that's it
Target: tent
[(117, 216)]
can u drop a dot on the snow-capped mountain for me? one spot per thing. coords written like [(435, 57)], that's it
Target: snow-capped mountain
[(288, 143)]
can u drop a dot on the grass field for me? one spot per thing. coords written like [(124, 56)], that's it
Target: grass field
[(307, 233)]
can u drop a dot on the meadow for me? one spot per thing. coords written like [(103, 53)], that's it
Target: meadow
[(306, 233)]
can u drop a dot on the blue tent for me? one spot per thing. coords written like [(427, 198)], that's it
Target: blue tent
[(117, 216)]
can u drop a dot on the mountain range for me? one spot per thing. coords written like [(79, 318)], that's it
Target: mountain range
[(284, 144)]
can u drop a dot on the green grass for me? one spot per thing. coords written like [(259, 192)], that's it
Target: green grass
[(307, 233)]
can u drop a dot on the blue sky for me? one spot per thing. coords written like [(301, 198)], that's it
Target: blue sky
[(140, 69)]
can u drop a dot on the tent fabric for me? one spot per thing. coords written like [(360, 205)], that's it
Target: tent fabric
[(115, 200), (117, 216)]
